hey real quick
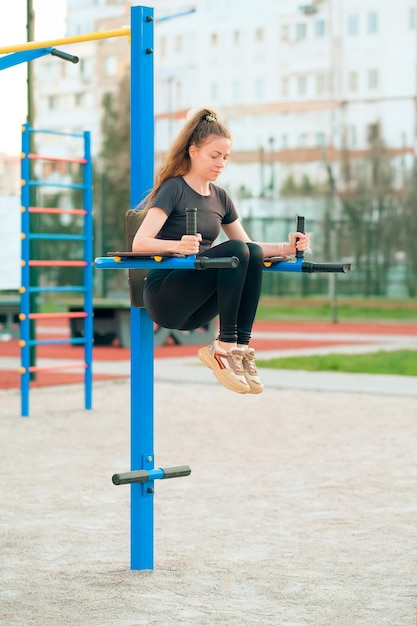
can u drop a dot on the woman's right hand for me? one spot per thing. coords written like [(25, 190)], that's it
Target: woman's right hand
[(189, 244)]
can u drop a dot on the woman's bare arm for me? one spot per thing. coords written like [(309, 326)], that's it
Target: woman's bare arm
[(145, 241)]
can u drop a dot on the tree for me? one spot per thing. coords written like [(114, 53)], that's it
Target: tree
[(112, 176), (374, 214), (409, 224), (112, 180)]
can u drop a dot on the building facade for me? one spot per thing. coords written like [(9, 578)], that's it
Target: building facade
[(301, 86)]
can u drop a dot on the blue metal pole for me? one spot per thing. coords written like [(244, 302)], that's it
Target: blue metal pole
[(25, 276), (88, 270), (22, 57), (141, 326)]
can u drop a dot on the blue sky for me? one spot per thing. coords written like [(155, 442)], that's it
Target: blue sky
[(49, 24)]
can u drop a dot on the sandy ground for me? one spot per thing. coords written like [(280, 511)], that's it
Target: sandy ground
[(300, 509)]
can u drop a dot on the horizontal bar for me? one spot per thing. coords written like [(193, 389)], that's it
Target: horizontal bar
[(40, 183), (40, 157), (137, 262), (191, 262), (142, 476), (62, 289), (48, 342), (57, 236), (185, 263), (60, 263), (105, 34), (38, 209), (22, 57), (34, 45), (63, 315), (171, 16), (44, 368), (47, 131), (299, 265)]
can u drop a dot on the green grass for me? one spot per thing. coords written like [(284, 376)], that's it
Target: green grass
[(398, 362), (345, 312)]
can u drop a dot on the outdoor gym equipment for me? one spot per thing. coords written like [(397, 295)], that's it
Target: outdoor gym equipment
[(82, 245), (143, 473), (142, 335)]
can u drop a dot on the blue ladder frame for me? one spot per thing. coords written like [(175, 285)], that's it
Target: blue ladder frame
[(27, 288)]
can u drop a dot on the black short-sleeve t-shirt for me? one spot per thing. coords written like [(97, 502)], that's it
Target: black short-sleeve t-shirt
[(175, 196)]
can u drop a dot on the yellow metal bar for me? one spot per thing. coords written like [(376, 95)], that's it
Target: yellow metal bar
[(34, 45)]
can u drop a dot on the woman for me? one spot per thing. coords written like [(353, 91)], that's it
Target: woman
[(187, 299)]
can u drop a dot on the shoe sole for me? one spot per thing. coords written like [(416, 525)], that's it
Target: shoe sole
[(253, 388), (209, 361)]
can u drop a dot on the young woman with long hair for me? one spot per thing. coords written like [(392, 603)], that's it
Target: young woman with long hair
[(186, 299)]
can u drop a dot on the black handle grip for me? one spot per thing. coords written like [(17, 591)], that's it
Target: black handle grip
[(300, 226), (191, 221), (64, 55), (138, 476), (204, 262), (340, 268), (177, 472)]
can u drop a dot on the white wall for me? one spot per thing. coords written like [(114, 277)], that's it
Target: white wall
[(10, 218)]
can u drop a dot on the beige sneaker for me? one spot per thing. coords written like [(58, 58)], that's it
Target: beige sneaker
[(251, 373), (226, 366)]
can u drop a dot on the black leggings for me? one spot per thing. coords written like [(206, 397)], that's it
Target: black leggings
[(189, 299)]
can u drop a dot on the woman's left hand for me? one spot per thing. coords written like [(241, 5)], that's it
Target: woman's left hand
[(299, 241)]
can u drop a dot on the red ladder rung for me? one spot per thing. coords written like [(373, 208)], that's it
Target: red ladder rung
[(57, 159), (62, 315), (57, 263)]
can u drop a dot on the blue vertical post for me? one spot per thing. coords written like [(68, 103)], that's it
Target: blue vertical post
[(88, 270), (141, 326), (25, 275)]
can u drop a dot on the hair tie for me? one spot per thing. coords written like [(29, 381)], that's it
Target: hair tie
[(211, 118)]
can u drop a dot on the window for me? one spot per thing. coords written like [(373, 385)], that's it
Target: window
[(259, 34), (372, 23), (319, 28), (178, 43), (110, 66), (412, 18), (79, 99), (284, 87), (284, 142), (52, 102), (301, 85), (353, 25), (352, 136), (320, 83), (373, 79), (259, 89), (163, 47), (320, 139), (236, 37), (213, 92), (236, 92), (85, 67), (372, 132), (300, 31), (353, 81), (302, 140), (285, 32)]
